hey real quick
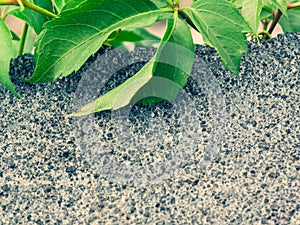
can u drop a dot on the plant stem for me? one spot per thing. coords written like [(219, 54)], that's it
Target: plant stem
[(29, 5), (293, 5), (275, 21), (187, 19), (23, 39), (278, 15)]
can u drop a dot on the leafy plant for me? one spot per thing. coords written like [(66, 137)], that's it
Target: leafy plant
[(68, 33)]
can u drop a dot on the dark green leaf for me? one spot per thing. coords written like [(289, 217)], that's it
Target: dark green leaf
[(266, 13), (160, 3), (222, 27), (68, 41), (251, 10), (139, 37), (15, 37), (6, 53), (291, 23), (34, 19)]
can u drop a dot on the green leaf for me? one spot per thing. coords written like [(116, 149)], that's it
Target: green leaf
[(6, 53), (34, 19), (15, 37), (59, 4), (266, 13), (222, 27), (160, 3), (251, 10), (124, 93), (173, 68), (280, 4), (291, 23), (69, 40), (139, 37)]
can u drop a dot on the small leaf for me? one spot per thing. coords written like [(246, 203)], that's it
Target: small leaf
[(34, 19), (280, 4), (15, 37), (266, 13), (69, 40), (251, 10), (6, 53), (222, 27), (139, 37), (291, 23)]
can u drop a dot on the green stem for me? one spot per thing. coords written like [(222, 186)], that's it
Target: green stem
[(29, 5), (265, 34), (23, 39), (38, 9)]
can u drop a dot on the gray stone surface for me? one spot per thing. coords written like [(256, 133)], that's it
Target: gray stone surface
[(50, 171)]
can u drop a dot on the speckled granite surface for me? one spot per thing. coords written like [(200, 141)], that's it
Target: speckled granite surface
[(254, 178)]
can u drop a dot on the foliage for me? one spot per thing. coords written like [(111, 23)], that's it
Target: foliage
[(68, 34)]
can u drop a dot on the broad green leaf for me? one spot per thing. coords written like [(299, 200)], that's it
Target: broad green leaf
[(139, 37), (251, 10), (69, 40), (173, 68), (123, 94), (222, 27), (291, 23), (6, 53), (280, 4), (34, 19)]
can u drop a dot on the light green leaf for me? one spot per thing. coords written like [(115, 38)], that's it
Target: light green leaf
[(291, 23), (222, 27), (6, 53), (123, 94), (173, 68), (34, 19), (280, 4), (69, 40), (251, 10)]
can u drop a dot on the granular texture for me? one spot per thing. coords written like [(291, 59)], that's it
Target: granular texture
[(254, 178)]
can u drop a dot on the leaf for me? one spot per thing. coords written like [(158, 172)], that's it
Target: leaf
[(266, 13), (291, 23), (139, 37), (251, 10), (173, 68), (69, 40), (124, 93), (222, 27), (281, 5), (59, 4), (34, 19), (6, 52), (160, 3)]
